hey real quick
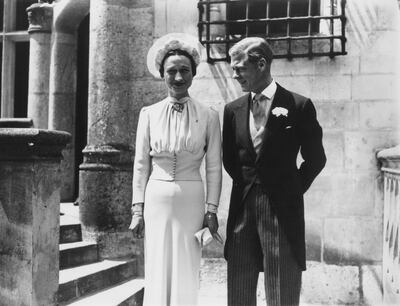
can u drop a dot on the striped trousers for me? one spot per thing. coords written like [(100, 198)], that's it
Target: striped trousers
[(257, 244)]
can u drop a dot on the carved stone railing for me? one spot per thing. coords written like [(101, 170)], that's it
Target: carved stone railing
[(390, 159)]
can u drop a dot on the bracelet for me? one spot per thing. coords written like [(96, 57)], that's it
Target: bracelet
[(210, 215)]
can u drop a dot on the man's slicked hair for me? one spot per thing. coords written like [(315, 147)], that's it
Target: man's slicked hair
[(255, 48)]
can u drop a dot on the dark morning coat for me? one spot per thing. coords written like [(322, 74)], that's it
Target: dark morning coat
[(275, 165)]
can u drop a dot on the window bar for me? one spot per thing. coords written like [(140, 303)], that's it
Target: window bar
[(227, 45), (267, 17), (289, 40), (343, 23), (208, 28), (310, 42), (331, 29), (200, 24), (247, 18)]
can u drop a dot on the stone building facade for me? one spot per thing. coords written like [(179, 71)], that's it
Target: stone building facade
[(356, 96)]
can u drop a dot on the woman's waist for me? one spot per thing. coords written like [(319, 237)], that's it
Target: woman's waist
[(174, 173)]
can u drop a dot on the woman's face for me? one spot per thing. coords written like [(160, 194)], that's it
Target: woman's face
[(178, 75)]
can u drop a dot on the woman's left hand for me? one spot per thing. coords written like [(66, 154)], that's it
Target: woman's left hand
[(211, 221)]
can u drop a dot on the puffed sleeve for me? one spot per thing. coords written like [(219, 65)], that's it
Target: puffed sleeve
[(213, 159), (142, 163)]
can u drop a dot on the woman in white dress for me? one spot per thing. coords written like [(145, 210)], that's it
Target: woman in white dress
[(169, 201)]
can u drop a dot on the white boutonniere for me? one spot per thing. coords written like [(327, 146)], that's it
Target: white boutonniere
[(280, 111)]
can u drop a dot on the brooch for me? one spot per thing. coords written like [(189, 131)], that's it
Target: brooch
[(280, 111), (178, 107)]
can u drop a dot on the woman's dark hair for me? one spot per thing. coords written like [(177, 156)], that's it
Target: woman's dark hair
[(177, 52)]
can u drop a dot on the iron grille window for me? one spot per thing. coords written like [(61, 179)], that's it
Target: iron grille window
[(294, 28)]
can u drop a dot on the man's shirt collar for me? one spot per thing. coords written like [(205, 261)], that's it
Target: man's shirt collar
[(268, 91)]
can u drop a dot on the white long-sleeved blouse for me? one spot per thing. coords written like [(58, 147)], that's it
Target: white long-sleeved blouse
[(170, 146)]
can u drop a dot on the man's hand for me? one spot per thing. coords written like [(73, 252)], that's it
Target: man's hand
[(211, 221), (137, 226)]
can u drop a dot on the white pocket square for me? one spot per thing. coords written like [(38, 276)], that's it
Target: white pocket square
[(288, 127)]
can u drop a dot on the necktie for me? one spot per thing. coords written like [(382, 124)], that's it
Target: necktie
[(259, 110)]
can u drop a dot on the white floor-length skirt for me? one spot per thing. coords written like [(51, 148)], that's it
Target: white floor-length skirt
[(173, 213)]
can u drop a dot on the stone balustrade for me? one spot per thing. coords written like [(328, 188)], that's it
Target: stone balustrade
[(29, 214), (390, 159)]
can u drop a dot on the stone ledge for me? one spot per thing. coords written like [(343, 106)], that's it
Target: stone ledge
[(35, 136), (390, 157), (28, 143)]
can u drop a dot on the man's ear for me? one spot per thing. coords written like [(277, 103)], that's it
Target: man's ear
[(262, 64)]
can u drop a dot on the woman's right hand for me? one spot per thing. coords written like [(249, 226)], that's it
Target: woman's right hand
[(137, 226)]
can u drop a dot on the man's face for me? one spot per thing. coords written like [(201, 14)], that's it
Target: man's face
[(249, 75), (178, 75)]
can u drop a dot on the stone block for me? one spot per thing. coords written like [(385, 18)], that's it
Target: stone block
[(330, 284), (371, 285), (319, 87), (341, 194), (314, 232), (361, 147), (299, 84), (372, 87), (381, 47), (337, 115), (325, 66), (379, 114), (387, 14), (334, 150), (352, 240), (165, 20)]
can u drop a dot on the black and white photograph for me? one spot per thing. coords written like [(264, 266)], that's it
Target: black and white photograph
[(199, 152)]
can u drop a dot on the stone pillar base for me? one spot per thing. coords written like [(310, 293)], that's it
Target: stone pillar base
[(105, 199)]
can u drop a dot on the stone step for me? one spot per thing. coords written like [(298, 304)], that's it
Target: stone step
[(70, 233), (129, 293), (81, 281), (78, 254)]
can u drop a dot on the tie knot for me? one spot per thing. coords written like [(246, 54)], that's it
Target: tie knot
[(259, 97)]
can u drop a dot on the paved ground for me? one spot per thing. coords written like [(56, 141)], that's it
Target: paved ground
[(213, 289)]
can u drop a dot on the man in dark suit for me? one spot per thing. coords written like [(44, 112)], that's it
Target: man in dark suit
[(263, 132)]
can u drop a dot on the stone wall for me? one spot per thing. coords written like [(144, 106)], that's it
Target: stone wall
[(356, 97)]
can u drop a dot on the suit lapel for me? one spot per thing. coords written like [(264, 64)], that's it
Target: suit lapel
[(272, 121)]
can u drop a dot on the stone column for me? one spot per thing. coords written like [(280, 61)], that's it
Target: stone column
[(62, 103), (105, 176), (40, 16), (29, 215), (68, 15)]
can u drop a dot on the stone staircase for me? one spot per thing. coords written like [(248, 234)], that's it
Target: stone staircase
[(85, 279)]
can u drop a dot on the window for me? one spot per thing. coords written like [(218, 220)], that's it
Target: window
[(14, 43), (294, 28)]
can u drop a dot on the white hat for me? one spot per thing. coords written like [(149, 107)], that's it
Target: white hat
[(169, 42)]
